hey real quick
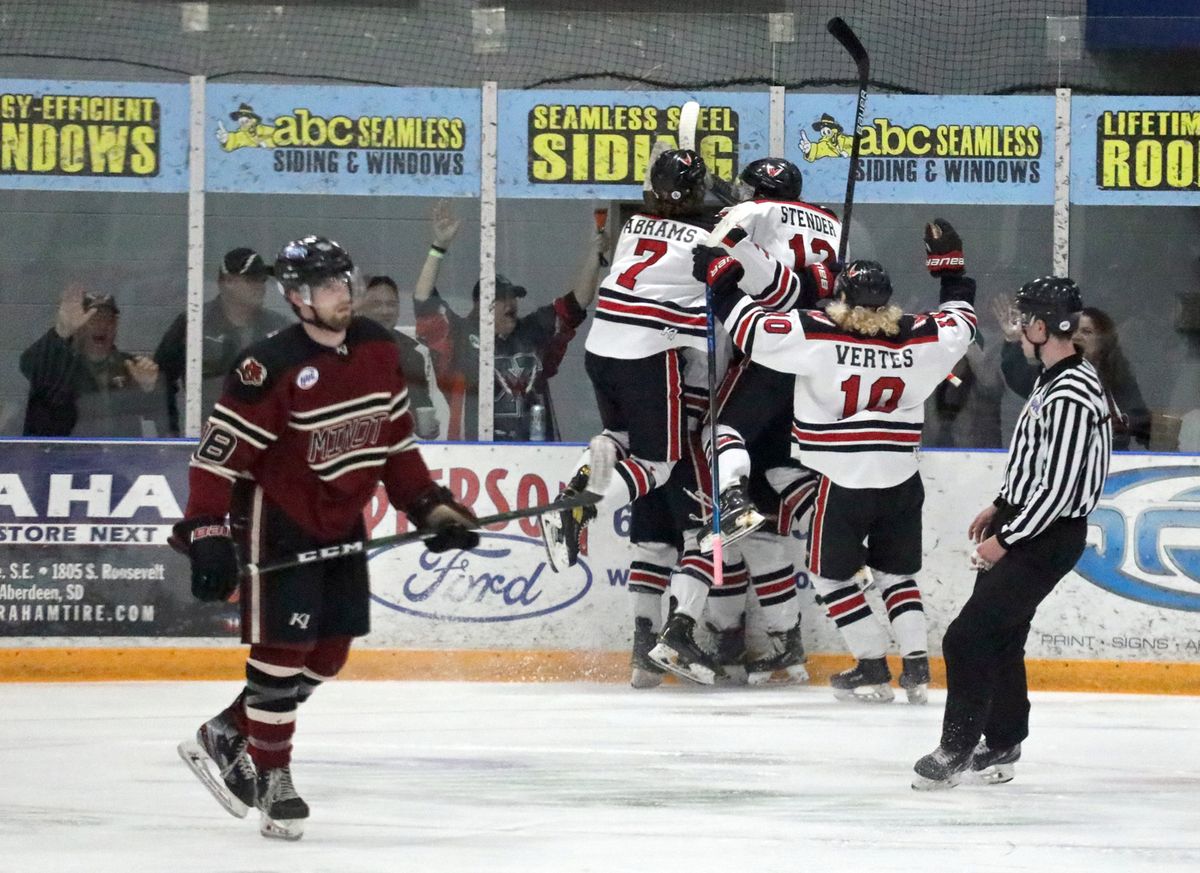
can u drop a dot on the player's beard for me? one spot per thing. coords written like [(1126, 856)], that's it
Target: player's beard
[(340, 318)]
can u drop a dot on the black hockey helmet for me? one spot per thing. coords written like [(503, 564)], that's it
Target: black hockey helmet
[(772, 179), (864, 283), (1056, 300), (677, 177), (305, 263)]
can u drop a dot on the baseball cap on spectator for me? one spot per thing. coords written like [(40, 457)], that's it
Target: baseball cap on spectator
[(245, 262), (101, 301), (504, 288)]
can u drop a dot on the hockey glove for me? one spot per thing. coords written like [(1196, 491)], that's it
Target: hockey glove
[(207, 544), (436, 509), (943, 249), (717, 268)]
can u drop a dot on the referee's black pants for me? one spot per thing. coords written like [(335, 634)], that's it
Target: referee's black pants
[(984, 646)]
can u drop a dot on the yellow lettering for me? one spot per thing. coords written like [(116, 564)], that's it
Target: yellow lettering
[(144, 161), (1114, 163), (548, 164)]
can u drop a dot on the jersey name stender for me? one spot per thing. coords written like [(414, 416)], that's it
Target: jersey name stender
[(649, 302)]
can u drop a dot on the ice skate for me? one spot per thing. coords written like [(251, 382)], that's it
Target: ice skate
[(282, 811), (218, 758), (731, 653), (562, 531), (865, 682), (940, 769), (678, 652), (645, 673), (914, 679), (738, 516), (994, 766), (785, 667)]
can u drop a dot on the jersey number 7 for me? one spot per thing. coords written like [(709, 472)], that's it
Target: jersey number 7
[(655, 248)]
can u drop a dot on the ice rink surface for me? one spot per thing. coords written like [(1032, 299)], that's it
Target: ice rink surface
[(509, 778)]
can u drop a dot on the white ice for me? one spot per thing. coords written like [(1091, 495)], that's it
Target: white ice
[(451, 777)]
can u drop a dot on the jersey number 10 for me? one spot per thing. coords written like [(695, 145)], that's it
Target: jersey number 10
[(884, 395)]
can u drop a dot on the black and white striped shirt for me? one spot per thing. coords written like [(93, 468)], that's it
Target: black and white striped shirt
[(1060, 451)]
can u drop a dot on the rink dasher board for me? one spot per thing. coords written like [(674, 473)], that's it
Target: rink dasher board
[(1133, 601)]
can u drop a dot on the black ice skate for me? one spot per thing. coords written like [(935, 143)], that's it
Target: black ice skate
[(282, 811), (866, 682), (731, 653), (677, 652), (562, 532), (914, 679), (786, 666), (218, 758), (645, 673), (940, 769), (994, 766), (738, 516)]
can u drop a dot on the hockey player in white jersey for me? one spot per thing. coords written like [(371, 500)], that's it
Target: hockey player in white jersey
[(864, 370), (801, 240), (647, 339)]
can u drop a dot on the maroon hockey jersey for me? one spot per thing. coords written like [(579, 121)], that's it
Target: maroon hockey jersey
[(316, 427)]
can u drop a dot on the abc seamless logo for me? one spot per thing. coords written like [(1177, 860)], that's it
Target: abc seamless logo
[(505, 578), (1149, 551)]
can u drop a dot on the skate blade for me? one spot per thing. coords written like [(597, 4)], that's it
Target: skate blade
[(669, 660), (998, 774), (797, 674), (734, 674), (643, 678), (281, 828), (918, 694), (920, 783), (866, 694), (557, 555), (197, 759), (747, 524)]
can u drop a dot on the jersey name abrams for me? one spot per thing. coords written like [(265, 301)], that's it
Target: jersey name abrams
[(883, 359), (809, 218), (658, 229)]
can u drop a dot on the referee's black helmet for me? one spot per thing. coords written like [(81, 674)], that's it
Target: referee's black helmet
[(1056, 300)]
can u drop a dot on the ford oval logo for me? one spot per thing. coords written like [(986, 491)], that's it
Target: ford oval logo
[(1149, 545), (504, 578)]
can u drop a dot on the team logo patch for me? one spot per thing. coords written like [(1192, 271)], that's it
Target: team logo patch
[(251, 372), (308, 377)]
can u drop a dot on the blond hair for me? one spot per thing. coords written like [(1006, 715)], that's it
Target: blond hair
[(864, 320)]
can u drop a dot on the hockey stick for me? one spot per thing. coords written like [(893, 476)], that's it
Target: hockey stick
[(842, 33), (689, 118), (587, 498)]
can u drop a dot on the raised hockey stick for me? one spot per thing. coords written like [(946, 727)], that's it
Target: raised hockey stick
[(587, 498), (714, 465), (689, 118), (842, 33)]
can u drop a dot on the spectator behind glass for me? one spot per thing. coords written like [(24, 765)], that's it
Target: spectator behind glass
[(1096, 339), (1184, 403), (381, 303), (967, 416), (231, 321), (77, 374), (529, 348)]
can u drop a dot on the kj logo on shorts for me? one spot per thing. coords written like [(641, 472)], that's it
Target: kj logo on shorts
[(1144, 537)]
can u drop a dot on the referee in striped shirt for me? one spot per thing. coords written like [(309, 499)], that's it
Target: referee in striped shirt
[(1028, 539)]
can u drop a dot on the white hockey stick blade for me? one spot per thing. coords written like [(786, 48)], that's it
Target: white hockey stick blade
[(198, 762), (689, 117)]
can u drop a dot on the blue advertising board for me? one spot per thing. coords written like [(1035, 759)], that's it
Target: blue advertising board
[(93, 136), (596, 144), (289, 139), (919, 149), (1135, 151)]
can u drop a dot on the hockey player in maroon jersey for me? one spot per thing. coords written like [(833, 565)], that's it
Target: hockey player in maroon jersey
[(864, 370), (311, 419)]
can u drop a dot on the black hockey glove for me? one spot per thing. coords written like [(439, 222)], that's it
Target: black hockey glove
[(207, 544), (436, 509), (717, 268), (943, 249)]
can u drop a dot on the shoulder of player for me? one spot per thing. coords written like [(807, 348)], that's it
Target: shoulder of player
[(265, 360), (641, 222), (802, 204)]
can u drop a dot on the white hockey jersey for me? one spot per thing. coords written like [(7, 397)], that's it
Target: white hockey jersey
[(859, 405), (649, 302), (794, 234)]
